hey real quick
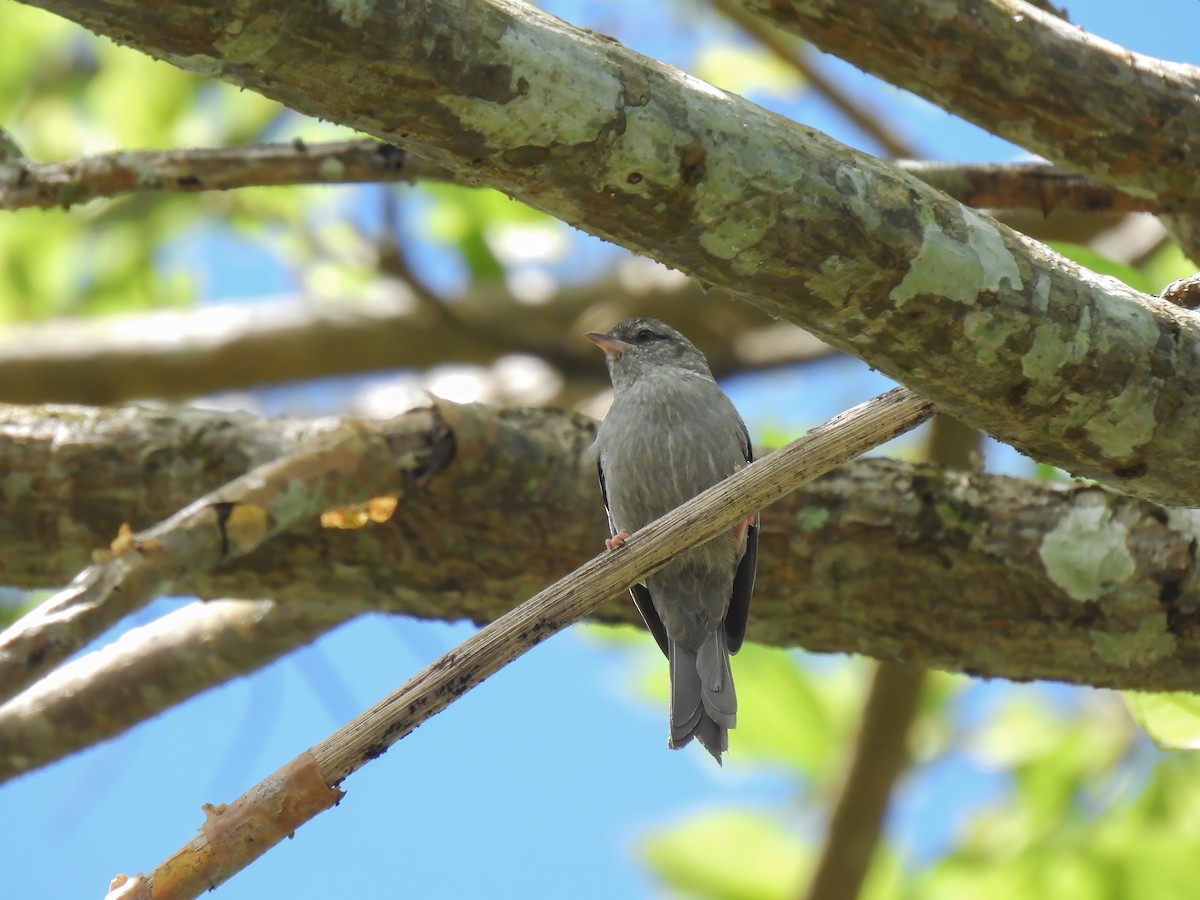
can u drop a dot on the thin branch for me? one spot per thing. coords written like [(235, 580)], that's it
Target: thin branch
[(351, 465), (196, 868), (183, 653), (24, 183), (879, 755), (1035, 186), (866, 119)]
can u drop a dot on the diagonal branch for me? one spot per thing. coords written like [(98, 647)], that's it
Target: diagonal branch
[(785, 49), (196, 867), (1000, 332), (350, 465), (1027, 76)]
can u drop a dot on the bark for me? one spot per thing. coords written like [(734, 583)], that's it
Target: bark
[(998, 331), (971, 573)]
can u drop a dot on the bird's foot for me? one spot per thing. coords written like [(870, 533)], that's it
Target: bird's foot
[(617, 540)]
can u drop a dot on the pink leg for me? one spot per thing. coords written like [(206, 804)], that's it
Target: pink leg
[(739, 530), (617, 540)]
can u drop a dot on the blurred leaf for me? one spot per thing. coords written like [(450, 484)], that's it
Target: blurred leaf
[(735, 855), (464, 216), (747, 69), (1090, 259), (1171, 720), (1168, 263)]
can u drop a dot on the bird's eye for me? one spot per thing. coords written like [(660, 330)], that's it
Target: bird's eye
[(645, 336)]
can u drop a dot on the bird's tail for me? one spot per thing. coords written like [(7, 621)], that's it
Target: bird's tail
[(703, 702)]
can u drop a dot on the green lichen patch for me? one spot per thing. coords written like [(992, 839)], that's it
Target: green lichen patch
[(1086, 554)]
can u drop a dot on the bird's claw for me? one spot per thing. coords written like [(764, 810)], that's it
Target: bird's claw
[(617, 540)]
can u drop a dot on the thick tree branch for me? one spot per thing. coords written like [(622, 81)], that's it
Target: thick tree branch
[(1027, 76), (997, 330), (985, 575), (148, 670), (196, 868), (351, 464), (786, 49)]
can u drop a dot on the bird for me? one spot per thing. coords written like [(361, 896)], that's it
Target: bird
[(670, 434)]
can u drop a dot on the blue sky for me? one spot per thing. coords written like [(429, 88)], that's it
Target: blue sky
[(554, 767)]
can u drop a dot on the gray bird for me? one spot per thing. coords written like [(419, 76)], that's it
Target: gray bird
[(670, 434)]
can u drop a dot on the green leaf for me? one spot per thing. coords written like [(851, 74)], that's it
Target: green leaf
[(744, 69), (731, 855), (1090, 259), (1172, 720)]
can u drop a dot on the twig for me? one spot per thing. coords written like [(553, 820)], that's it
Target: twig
[(198, 867), (190, 650), (24, 183), (880, 753), (351, 465)]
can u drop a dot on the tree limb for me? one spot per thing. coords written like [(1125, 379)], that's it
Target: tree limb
[(147, 670), (174, 354), (1029, 77), (351, 464), (196, 868), (997, 330), (983, 574)]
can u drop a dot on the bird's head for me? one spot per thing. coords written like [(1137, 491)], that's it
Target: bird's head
[(637, 347)]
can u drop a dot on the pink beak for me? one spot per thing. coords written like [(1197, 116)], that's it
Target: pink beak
[(611, 346)]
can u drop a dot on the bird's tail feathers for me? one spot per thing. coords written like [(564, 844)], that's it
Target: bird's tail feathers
[(703, 701)]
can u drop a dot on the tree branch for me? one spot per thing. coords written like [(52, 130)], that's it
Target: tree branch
[(1041, 82), (985, 575), (879, 754), (786, 49), (1029, 185), (196, 868), (994, 328), (351, 464), (24, 183), (184, 354), (183, 653)]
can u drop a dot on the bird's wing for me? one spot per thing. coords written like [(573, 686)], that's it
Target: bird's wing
[(639, 592), (743, 581)]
